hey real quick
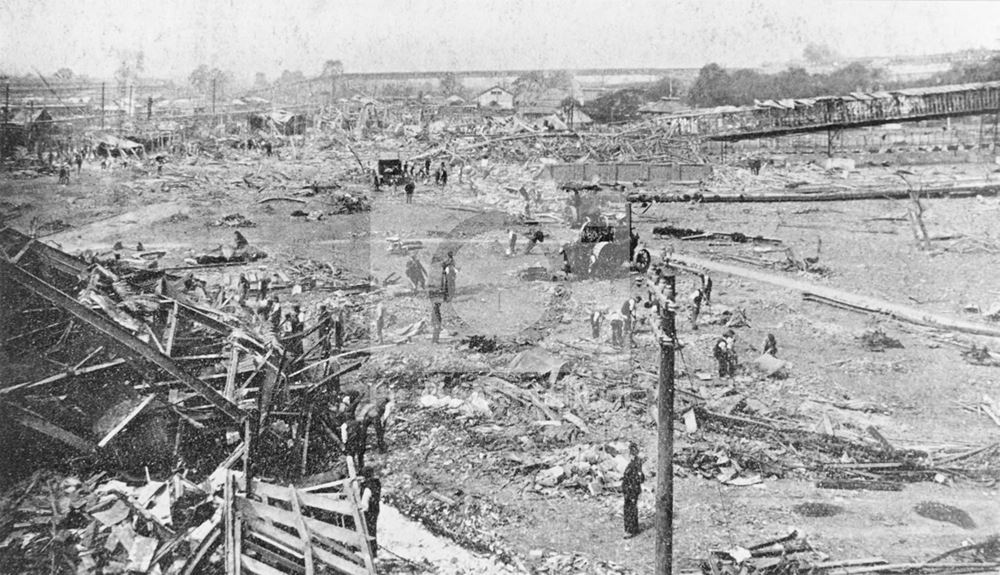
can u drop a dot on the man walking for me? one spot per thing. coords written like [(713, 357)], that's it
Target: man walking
[(631, 488), (617, 322), (449, 271), (696, 300)]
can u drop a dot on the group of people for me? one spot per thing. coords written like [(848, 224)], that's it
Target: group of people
[(351, 417), (622, 322)]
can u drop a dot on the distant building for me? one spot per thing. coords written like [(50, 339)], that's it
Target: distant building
[(495, 97)]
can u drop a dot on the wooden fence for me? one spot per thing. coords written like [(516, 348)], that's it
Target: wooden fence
[(276, 530)]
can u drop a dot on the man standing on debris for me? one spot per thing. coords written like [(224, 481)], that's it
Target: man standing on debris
[(596, 319), (323, 321), (371, 495), (379, 321), (444, 175), (274, 314), (354, 435), (725, 354), (408, 189), (706, 289), (78, 159), (631, 488), (449, 271), (63, 175), (617, 321), (416, 273), (268, 149), (435, 320), (628, 317), (770, 346), (697, 298)]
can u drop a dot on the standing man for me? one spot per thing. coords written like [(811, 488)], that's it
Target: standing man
[(706, 288), (449, 271), (444, 175), (78, 159), (696, 300), (379, 321), (435, 320), (725, 353), (427, 168), (596, 318), (511, 242), (631, 488), (415, 272), (617, 322), (274, 314), (371, 494), (408, 189), (323, 322), (628, 316), (354, 436)]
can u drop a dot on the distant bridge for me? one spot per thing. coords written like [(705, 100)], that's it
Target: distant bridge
[(515, 73), (830, 113)]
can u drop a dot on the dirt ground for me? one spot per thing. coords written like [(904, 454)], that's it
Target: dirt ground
[(866, 247)]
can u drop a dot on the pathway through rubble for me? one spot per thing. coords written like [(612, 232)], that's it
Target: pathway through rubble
[(408, 539)]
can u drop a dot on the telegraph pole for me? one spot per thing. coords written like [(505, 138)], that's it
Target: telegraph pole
[(3, 128), (666, 293), (102, 105)]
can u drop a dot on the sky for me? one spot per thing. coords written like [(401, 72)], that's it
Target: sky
[(248, 36)]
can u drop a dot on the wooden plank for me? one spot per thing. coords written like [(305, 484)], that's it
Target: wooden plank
[(336, 503), (258, 568), (192, 563), (287, 518), (234, 364), (61, 376), (339, 562), (168, 336), (23, 251), (126, 420), (277, 537), (43, 426), (252, 546), (303, 530)]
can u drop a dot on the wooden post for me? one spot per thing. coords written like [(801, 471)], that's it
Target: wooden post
[(234, 365), (665, 430)]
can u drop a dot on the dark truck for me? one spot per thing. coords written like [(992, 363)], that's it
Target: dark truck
[(390, 172)]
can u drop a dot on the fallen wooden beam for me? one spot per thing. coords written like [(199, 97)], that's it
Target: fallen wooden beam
[(853, 301), (42, 425), (135, 411)]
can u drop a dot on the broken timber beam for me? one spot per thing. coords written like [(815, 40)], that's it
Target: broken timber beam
[(851, 300), (41, 425), (132, 346)]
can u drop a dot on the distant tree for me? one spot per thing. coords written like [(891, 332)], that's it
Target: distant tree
[(665, 87), (538, 81), (618, 106), (854, 77), (712, 88), (203, 78), (819, 54), (131, 65), (64, 74), (260, 81), (332, 68), (450, 84), (288, 77)]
